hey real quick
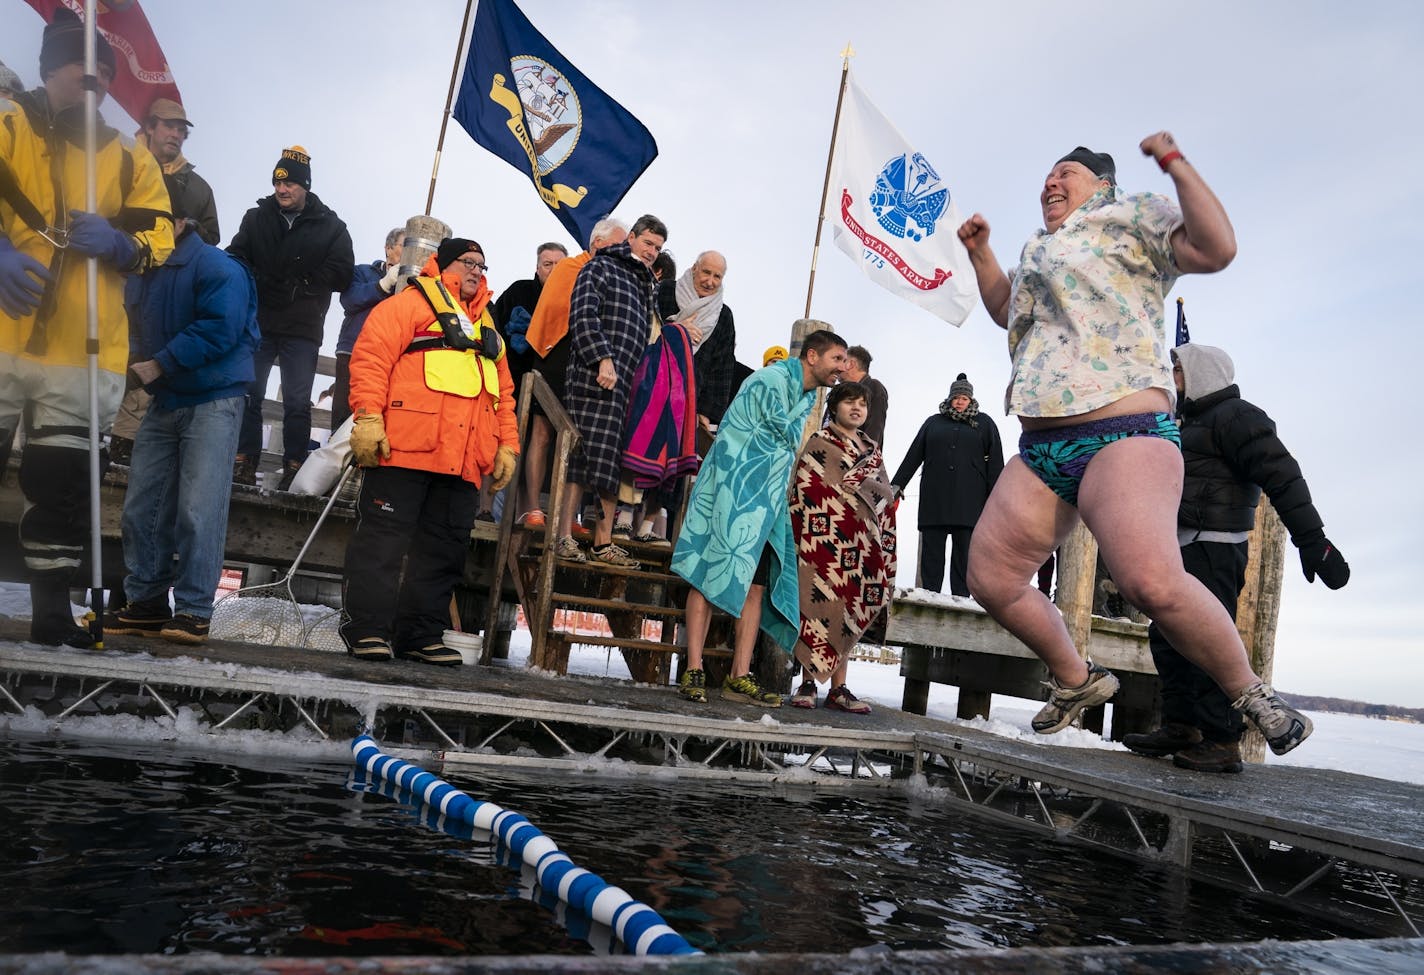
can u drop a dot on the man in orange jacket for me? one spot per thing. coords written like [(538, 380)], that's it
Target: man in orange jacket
[(433, 403)]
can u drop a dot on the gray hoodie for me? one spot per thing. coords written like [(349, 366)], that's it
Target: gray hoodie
[(1205, 369)]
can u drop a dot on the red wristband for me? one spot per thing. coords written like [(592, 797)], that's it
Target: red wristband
[(1166, 160)]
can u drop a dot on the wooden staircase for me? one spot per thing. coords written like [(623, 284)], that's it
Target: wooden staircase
[(626, 598)]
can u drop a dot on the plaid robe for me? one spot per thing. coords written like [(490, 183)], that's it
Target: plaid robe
[(610, 317), (842, 512)]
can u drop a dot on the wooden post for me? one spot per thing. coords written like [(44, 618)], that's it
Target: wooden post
[(1077, 571), (1259, 607)]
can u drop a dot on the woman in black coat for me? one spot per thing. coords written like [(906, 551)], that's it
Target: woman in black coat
[(962, 457)]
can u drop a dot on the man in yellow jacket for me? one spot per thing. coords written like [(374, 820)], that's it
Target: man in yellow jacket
[(45, 241), (433, 403)]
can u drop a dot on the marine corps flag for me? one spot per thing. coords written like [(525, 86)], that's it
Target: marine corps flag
[(523, 101), (142, 73), (894, 216)]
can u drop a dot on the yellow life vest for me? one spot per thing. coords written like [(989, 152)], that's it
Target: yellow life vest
[(461, 359)]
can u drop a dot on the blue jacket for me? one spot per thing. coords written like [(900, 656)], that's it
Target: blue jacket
[(196, 315), (357, 300)]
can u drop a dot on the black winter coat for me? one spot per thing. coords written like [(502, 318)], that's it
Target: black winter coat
[(713, 364), (962, 464), (1231, 453), (297, 268)]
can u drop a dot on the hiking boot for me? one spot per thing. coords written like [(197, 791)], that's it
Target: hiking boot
[(611, 554), (1210, 756), (52, 617), (841, 699), (1282, 725), (805, 696), (693, 686), (745, 688), (289, 473), (120, 451), (244, 470), (1164, 741), (371, 648), (435, 653), (143, 618), (568, 550), (1064, 703), (185, 628)]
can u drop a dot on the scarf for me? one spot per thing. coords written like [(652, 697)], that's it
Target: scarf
[(967, 415), (695, 311)]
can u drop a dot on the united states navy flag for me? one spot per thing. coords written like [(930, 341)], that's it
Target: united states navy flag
[(523, 101)]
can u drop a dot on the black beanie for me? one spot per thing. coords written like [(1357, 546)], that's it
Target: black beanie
[(63, 44), (1098, 163), (961, 387), (453, 248), (293, 167)]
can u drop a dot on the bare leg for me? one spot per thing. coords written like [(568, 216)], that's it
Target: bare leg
[(573, 501), (839, 676), (607, 511), (745, 632), (699, 617), (1128, 499), (1023, 522), (536, 461)]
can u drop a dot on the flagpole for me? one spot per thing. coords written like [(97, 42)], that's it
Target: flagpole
[(846, 55), (449, 100), (91, 205)]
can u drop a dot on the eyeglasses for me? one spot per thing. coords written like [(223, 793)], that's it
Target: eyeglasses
[(473, 264)]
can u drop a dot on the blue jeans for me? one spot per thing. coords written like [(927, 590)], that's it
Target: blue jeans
[(179, 485), (296, 358)]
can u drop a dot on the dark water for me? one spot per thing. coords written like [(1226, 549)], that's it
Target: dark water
[(125, 849)]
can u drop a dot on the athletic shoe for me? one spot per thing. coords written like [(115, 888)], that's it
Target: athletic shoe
[(805, 696), (1164, 741), (531, 519), (289, 474), (1282, 725), (841, 699), (623, 530), (371, 648), (745, 688), (693, 686), (581, 533), (568, 550), (142, 618), (653, 538), (185, 628), (1210, 756), (435, 653), (1064, 703), (611, 554)]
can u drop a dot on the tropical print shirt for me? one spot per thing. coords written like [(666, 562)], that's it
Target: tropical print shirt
[(1086, 321)]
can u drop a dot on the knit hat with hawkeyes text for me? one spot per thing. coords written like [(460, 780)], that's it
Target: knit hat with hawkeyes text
[(293, 167), (63, 43)]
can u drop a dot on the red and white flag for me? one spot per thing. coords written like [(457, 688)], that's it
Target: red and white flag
[(142, 73), (894, 215)]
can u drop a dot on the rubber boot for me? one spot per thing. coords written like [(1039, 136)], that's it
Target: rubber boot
[(51, 620)]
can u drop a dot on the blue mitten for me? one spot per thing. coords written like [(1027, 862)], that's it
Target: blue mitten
[(22, 281), (516, 328), (93, 236)]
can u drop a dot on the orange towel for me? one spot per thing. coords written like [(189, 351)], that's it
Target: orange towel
[(550, 321)]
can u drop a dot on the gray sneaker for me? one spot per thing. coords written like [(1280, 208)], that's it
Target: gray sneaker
[(615, 556), (1282, 725), (568, 550), (1064, 703)]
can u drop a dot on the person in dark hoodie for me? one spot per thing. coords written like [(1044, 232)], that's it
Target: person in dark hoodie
[(300, 252), (1231, 454)]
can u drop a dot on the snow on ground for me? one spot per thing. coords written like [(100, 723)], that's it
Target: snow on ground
[(1384, 749)]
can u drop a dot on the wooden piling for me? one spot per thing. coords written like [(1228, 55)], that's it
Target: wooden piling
[(1077, 570), (1259, 607)]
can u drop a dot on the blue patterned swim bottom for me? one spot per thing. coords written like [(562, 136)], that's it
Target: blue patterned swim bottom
[(1060, 456)]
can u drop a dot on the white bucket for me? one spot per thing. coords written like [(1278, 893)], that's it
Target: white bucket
[(469, 645)]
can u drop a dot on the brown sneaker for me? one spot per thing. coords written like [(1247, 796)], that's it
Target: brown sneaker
[(244, 470), (185, 628), (615, 556), (1210, 756), (841, 699)]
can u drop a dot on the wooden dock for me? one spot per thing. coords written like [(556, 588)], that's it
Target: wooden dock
[(1322, 841)]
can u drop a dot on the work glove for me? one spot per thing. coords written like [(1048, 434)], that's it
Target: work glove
[(504, 461), (368, 440), (93, 236), (389, 281), (22, 281), (1319, 557)]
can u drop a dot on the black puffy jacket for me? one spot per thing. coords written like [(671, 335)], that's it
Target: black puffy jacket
[(297, 268)]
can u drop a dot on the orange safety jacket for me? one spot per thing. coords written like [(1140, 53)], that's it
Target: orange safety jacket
[(429, 430)]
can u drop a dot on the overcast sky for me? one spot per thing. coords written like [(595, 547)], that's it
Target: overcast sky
[(1302, 116)]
